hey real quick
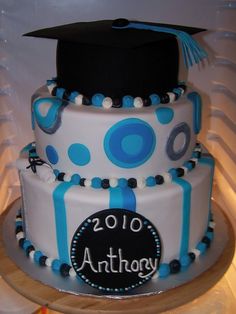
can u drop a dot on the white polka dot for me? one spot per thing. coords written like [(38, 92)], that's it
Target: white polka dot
[(185, 169), (212, 224), (195, 160), (18, 219), (67, 177)]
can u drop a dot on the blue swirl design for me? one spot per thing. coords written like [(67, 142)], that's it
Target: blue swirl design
[(129, 143), (52, 120)]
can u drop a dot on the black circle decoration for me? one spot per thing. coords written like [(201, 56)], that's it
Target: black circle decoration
[(178, 129), (115, 250)]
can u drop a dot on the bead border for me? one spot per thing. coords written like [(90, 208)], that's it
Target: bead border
[(127, 101)]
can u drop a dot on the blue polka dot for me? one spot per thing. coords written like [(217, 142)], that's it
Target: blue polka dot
[(52, 154), (79, 154), (164, 115), (130, 143)]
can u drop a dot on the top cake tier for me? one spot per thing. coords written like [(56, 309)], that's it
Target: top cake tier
[(115, 143)]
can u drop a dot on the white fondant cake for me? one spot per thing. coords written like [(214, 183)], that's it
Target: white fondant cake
[(115, 191)]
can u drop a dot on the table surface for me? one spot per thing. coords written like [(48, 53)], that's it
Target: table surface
[(68, 303)]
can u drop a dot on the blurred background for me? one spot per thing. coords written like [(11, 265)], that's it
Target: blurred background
[(26, 64)]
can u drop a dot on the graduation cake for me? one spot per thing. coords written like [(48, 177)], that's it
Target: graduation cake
[(116, 190)]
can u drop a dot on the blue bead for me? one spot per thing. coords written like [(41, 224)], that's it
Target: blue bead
[(210, 235), (73, 95), (201, 247), (75, 178), (37, 256), (18, 223), (185, 260), (26, 244), (177, 91), (60, 92), (188, 165), (122, 182), (50, 82), (150, 181), (97, 100), (128, 101), (56, 172), (155, 99), (96, 182), (164, 270), (56, 264), (173, 173)]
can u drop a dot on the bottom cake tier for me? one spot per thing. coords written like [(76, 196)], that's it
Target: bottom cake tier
[(116, 239)]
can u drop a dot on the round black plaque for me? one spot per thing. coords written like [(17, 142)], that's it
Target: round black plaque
[(116, 250)]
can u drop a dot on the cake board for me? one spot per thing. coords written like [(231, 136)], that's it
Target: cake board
[(151, 298)]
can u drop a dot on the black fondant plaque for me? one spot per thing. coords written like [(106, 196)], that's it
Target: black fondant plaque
[(116, 250)]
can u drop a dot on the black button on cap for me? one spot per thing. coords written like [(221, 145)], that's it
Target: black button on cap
[(120, 23)]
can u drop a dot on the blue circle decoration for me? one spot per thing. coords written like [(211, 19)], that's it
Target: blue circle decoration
[(165, 115), (79, 154), (52, 154), (130, 143)]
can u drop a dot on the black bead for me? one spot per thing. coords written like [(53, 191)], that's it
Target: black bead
[(29, 249), (175, 266), (132, 183), (177, 96), (198, 154), (60, 176), (120, 23), (193, 163), (210, 229), (65, 269), (54, 91), (198, 144), (147, 102), (42, 260), (164, 98), (207, 241), (105, 184), (180, 172), (116, 103), (192, 256), (18, 229), (21, 242), (19, 215), (159, 179), (86, 101), (82, 181), (66, 95)]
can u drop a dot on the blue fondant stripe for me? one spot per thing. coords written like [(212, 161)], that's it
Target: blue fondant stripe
[(61, 221), (122, 198), (195, 98), (186, 207), (209, 161)]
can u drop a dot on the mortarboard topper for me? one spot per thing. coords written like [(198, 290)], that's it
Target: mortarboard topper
[(117, 58)]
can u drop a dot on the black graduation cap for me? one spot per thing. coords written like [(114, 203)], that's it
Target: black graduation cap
[(120, 57)]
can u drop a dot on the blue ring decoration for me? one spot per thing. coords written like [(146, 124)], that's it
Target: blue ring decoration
[(195, 98), (52, 154), (52, 121), (116, 152)]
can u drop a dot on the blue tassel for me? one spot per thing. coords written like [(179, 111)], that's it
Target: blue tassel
[(191, 50)]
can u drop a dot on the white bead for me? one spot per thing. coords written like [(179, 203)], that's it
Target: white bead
[(18, 219), (45, 173), (171, 96), (197, 149), (49, 261), (107, 102), (31, 254), (113, 182), (72, 272), (141, 183), (167, 177), (212, 224), (67, 177), (50, 87), (155, 276), (20, 235), (79, 100), (181, 90), (185, 169), (138, 102), (196, 252), (87, 182)]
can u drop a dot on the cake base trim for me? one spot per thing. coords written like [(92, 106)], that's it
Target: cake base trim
[(213, 265)]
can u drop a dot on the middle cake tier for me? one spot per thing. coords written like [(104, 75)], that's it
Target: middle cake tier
[(116, 142)]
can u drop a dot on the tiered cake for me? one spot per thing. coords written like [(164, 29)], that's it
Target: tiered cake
[(116, 190)]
